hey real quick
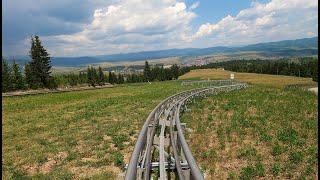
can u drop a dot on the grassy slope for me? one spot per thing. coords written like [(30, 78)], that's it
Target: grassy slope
[(76, 134), (85, 134), (265, 131), (251, 78)]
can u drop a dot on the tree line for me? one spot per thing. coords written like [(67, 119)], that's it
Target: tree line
[(13, 78), (160, 73), (301, 67), (37, 73), (95, 77)]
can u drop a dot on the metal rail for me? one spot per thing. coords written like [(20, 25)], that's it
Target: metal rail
[(162, 134), (210, 82)]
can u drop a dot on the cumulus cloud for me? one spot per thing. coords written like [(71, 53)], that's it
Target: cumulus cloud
[(194, 5), (274, 20), (21, 19), (123, 26), (120, 26)]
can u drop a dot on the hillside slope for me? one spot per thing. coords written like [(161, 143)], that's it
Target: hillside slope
[(287, 48)]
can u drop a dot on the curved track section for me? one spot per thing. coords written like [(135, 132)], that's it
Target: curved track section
[(161, 149)]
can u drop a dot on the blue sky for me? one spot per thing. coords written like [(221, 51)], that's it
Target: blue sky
[(213, 11), (96, 27)]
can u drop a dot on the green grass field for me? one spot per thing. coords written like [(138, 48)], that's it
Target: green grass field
[(256, 133), (266, 131), (76, 134), (259, 132)]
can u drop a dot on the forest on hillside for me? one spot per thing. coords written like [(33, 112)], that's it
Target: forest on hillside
[(37, 73), (300, 67)]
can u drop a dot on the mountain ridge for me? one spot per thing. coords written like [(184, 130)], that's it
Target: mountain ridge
[(285, 48)]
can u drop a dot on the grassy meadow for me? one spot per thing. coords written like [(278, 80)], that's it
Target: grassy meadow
[(250, 78), (265, 131), (78, 135)]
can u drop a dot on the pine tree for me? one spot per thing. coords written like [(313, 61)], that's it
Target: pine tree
[(28, 75), (6, 76), (17, 78), (40, 67), (95, 76), (90, 76), (100, 76), (82, 77), (175, 71), (111, 79), (120, 79), (115, 78), (147, 72)]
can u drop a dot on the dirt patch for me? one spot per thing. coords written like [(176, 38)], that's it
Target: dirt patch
[(31, 169), (85, 171), (52, 161), (47, 166), (113, 169), (230, 114), (107, 138), (252, 111), (86, 159), (81, 146), (126, 157)]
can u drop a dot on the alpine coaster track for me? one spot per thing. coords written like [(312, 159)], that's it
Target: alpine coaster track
[(161, 147)]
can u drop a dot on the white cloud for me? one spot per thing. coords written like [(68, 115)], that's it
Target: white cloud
[(272, 21), (128, 24), (194, 5), (141, 25)]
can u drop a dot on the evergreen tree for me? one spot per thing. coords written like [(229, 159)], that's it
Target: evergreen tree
[(17, 78), (175, 71), (110, 80), (147, 72), (90, 76), (28, 75), (168, 74), (40, 67), (6, 76), (120, 79), (115, 78), (82, 77), (95, 76), (100, 76)]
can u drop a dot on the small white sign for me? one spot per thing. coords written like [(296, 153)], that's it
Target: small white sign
[(231, 76)]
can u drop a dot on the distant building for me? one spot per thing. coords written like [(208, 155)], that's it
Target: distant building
[(198, 62), (167, 66)]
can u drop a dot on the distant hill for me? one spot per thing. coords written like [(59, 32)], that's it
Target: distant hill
[(287, 48)]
